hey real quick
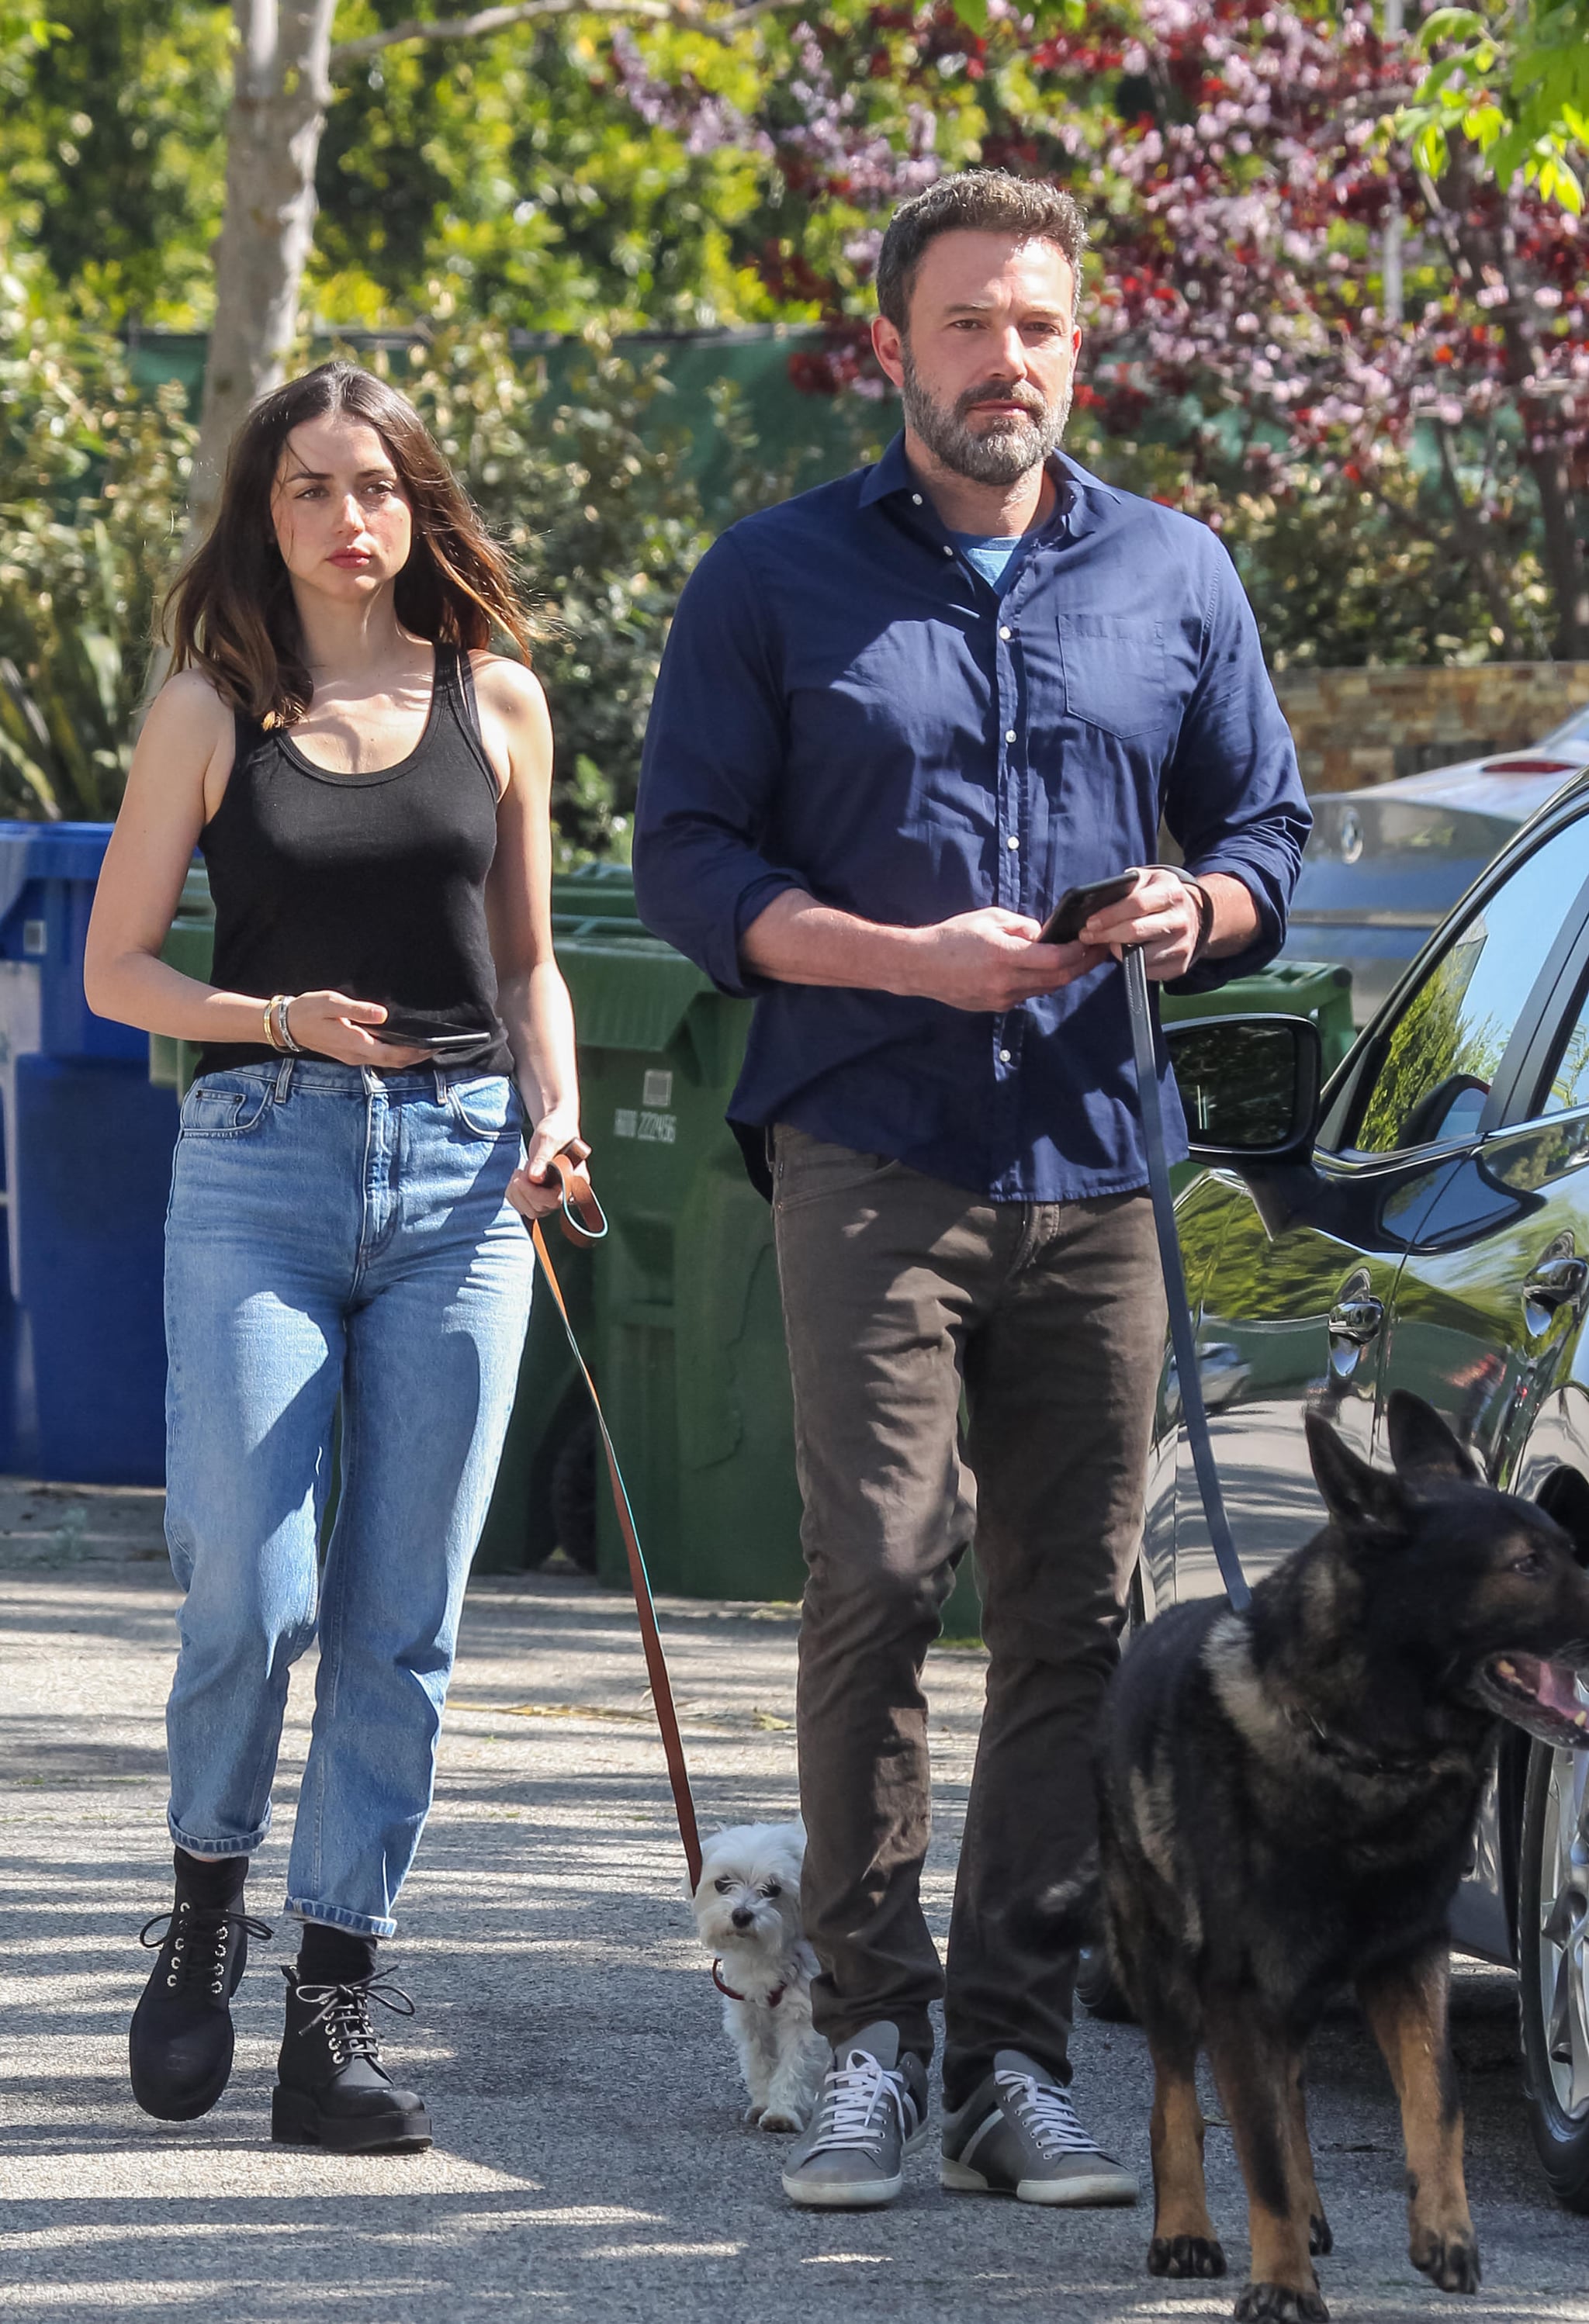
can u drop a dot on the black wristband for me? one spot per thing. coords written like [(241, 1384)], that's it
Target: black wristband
[(1204, 915)]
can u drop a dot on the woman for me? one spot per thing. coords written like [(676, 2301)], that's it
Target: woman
[(369, 787)]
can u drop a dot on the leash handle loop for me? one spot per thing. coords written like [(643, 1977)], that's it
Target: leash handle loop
[(581, 1217), (656, 1663), (1182, 1337)]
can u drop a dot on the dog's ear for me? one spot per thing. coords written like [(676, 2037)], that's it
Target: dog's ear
[(1358, 1498), (1421, 1446)]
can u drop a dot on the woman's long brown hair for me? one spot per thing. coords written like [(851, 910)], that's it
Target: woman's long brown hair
[(230, 612)]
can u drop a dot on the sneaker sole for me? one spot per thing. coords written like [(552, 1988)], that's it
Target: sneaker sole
[(297, 2121), (1098, 2192), (812, 2195)]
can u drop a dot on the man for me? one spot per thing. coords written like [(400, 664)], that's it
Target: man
[(896, 718)]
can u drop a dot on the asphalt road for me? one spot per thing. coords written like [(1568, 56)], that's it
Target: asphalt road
[(590, 2163)]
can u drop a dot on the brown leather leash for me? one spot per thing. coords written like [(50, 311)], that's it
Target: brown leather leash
[(584, 1223)]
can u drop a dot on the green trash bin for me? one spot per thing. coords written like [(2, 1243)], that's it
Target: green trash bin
[(688, 1334), (1318, 991), (1289, 988), (188, 947)]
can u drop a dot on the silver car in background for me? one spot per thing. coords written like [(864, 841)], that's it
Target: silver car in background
[(1383, 866)]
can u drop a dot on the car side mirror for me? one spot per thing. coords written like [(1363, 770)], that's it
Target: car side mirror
[(1250, 1087)]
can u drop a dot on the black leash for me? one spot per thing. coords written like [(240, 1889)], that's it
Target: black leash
[(1175, 1282)]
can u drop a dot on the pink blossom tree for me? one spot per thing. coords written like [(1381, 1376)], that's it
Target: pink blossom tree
[(1280, 296)]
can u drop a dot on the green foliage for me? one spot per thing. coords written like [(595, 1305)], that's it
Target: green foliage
[(113, 121), (1338, 576), (504, 176), (1512, 78), (507, 177), (1435, 1044), (91, 483)]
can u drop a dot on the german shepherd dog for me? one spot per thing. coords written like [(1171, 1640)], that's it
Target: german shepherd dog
[(1286, 1798)]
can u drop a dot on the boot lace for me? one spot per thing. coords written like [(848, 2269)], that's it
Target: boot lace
[(1045, 2111), (857, 2100), (201, 1942), (344, 2012)]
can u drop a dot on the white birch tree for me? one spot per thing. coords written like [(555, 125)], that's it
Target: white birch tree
[(285, 68)]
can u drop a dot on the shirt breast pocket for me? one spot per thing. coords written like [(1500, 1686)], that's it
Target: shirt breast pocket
[(1116, 673)]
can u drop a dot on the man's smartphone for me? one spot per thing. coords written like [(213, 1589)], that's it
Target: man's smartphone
[(1076, 905)]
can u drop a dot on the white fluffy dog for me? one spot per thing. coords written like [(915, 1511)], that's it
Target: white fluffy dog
[(747, 1908)]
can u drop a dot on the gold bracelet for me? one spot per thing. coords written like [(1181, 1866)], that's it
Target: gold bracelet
[(269, 1029)]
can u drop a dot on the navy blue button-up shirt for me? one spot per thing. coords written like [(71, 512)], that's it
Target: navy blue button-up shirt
[(845, 707)]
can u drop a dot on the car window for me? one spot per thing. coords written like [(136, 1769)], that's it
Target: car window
[(1567, 1085), (1449, 1036)]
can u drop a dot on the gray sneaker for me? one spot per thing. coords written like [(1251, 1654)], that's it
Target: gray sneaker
[(870, 2115), (1017, 2134)]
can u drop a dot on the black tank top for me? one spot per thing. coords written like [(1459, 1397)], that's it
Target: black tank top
[(372, 885)]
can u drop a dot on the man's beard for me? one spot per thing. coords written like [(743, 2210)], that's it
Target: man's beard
[(999, 452)]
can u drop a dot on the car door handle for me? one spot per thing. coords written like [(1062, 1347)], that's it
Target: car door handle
[(1556, 1282), (1356, 1321)]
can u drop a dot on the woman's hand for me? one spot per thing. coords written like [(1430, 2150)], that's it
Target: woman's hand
[(535, 1190), (333, 1024)]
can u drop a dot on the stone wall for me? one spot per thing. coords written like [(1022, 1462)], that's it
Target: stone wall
[(1357, 726)]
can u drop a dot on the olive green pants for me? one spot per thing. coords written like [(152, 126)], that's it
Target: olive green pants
[(900, 1292)]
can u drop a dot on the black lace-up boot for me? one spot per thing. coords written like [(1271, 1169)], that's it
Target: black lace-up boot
[(332, 2089), (179, 2048)]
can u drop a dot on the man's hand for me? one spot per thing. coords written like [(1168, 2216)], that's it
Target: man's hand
[(991, 959), (1162, 915), (983, 961)]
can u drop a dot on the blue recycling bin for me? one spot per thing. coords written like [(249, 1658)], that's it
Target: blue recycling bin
[(87, 1143)]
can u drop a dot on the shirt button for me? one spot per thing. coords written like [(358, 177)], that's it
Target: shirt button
[(1006, 632), (1012, 841), (916, 499), (947, 550), (1009, 734), (1003, 1057)]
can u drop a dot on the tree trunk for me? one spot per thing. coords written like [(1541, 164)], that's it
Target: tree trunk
[(281, 90)]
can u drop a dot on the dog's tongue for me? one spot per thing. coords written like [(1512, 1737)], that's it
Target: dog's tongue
[(1556, 1687), (1553, 1685)]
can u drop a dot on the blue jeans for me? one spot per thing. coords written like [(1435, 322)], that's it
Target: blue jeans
[(333, 1234)]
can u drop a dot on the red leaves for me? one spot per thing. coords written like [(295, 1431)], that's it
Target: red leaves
[(1227, 151)]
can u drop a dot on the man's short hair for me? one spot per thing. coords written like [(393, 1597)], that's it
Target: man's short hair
[(974, 201)]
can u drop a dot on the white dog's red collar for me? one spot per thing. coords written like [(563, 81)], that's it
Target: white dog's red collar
[(771, 2001)]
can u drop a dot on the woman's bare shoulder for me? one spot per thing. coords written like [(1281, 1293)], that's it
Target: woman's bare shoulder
[(190, 707), (509, 686)]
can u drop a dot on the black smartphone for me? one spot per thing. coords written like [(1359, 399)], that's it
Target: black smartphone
[(448, 1044), (1076, 905), (454, 1049)]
